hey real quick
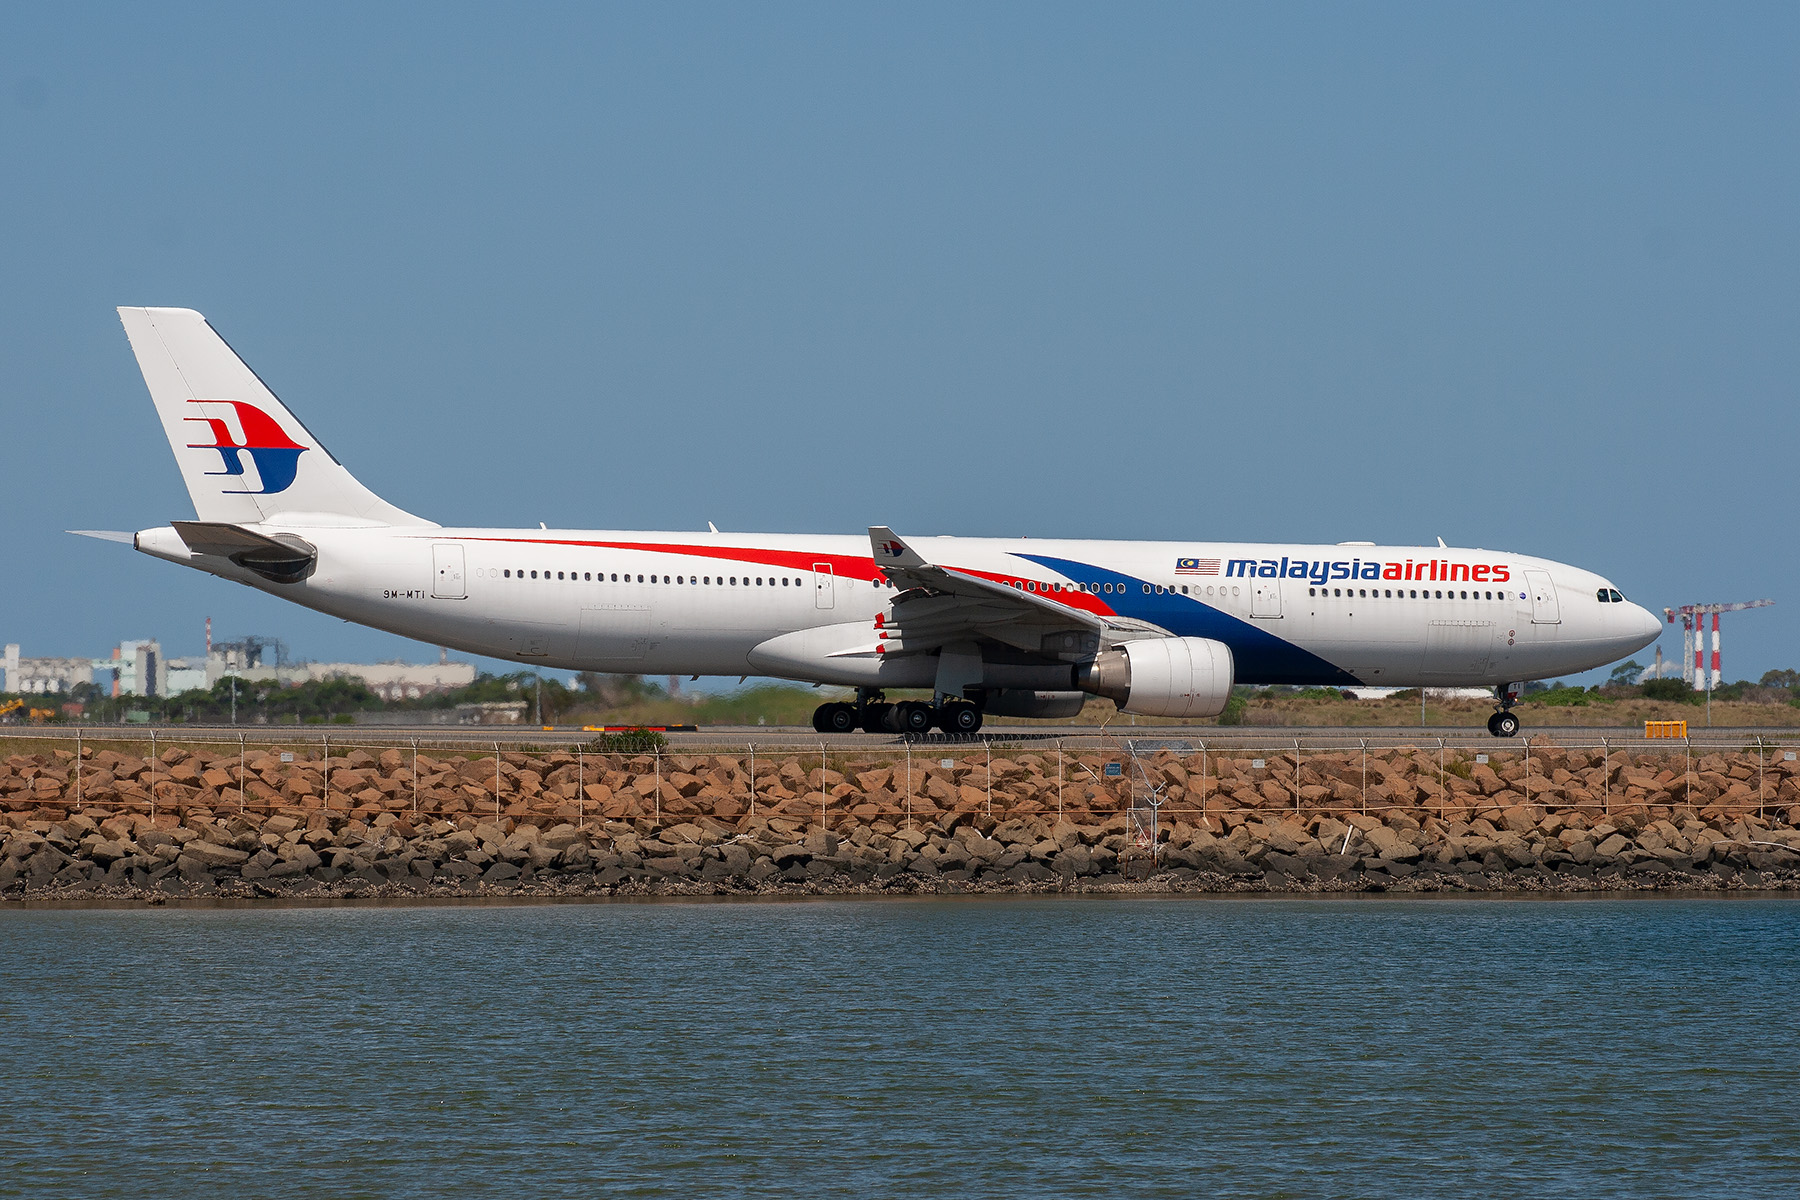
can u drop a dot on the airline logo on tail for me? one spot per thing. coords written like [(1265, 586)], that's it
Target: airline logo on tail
[(275, 455)]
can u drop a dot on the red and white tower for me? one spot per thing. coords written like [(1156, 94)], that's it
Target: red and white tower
[(1693, 637)]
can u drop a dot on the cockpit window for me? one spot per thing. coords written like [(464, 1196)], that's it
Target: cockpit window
[(1616, 597), (1604, 595)]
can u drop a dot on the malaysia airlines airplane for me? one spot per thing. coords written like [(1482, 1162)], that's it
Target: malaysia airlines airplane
[(1009, 626)]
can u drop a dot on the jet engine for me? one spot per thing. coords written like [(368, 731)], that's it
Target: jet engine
[(1162, 677)]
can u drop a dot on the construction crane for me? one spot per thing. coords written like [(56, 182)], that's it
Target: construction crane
[(1693, 637)]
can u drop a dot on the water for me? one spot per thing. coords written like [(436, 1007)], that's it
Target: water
[(991, 1047)]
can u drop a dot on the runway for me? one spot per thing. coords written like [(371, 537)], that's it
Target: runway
[(740, 738)]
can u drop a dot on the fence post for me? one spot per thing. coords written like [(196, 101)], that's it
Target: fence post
[(1202, 781), (1364, 802), (325, 743), (658, 755), (240, 774), (78, 764), (909, 786), (1759, 777), (823, 767), (496, 783), (1441, 788), (1605, 777), (1528, 768), (1296, 775), (753, 779), (580, 786), (989, 747), (1059, 779), (415, 774), (153, 776)]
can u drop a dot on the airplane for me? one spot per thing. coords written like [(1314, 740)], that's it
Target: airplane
[(991, 626)]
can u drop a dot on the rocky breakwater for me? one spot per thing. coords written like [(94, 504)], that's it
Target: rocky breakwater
[(391, 823)]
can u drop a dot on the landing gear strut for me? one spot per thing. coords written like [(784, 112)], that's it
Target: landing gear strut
[(1504, 723)]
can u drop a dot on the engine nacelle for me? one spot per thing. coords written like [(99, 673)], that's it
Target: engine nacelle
[(1162, 677)]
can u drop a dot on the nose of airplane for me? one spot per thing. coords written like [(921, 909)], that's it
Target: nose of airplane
[(1649, 625)]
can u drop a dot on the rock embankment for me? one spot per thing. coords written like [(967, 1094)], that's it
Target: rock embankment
[(194, 823)]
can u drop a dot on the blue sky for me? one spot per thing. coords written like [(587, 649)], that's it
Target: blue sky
[(1521, 276)]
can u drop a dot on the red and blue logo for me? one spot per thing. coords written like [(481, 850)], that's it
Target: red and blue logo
[(275, 455)]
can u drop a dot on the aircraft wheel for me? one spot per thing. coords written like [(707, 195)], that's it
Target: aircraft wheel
[(959, 716), (913, 717), (834, 718), (875, 717), (1503, 724)]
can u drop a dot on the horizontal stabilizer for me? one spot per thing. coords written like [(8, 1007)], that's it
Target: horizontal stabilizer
[(282, 558), (106, 535)]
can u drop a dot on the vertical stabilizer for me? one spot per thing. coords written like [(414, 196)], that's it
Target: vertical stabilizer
[(244, 456)]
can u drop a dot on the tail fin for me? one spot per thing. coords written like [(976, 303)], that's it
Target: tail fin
[(244, 456)]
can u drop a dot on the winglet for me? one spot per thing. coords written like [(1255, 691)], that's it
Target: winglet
[(890, 551)]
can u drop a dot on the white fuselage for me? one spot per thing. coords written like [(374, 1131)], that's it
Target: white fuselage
[(805, 607)]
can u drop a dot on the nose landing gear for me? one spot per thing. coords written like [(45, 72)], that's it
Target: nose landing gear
[(1504, 723)]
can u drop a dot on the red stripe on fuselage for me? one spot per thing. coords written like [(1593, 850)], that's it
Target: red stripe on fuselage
[(843, 565)]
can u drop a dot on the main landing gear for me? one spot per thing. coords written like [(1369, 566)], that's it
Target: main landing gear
[(872, 714), (1504, 723)]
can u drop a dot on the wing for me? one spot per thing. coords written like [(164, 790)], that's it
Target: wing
[(939, 605)]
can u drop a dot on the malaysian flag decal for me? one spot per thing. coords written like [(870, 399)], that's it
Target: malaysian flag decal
[(1196, 566)]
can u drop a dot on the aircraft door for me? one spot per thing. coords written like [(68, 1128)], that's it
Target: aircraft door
[(824, 586), (1544, 607), (447, 581), (1265, 598)]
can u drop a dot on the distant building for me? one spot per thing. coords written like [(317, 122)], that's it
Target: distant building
[(43, 676), (186, 675), (397, 680), (139, 668)]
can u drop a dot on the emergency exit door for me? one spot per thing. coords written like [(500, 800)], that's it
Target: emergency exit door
[(1265, 598), (824, 591), (447, 571)]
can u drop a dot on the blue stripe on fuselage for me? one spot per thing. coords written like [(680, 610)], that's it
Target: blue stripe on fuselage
[(1257, 655)]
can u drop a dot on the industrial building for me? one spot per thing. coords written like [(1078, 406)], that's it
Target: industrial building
[(138, 667)]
